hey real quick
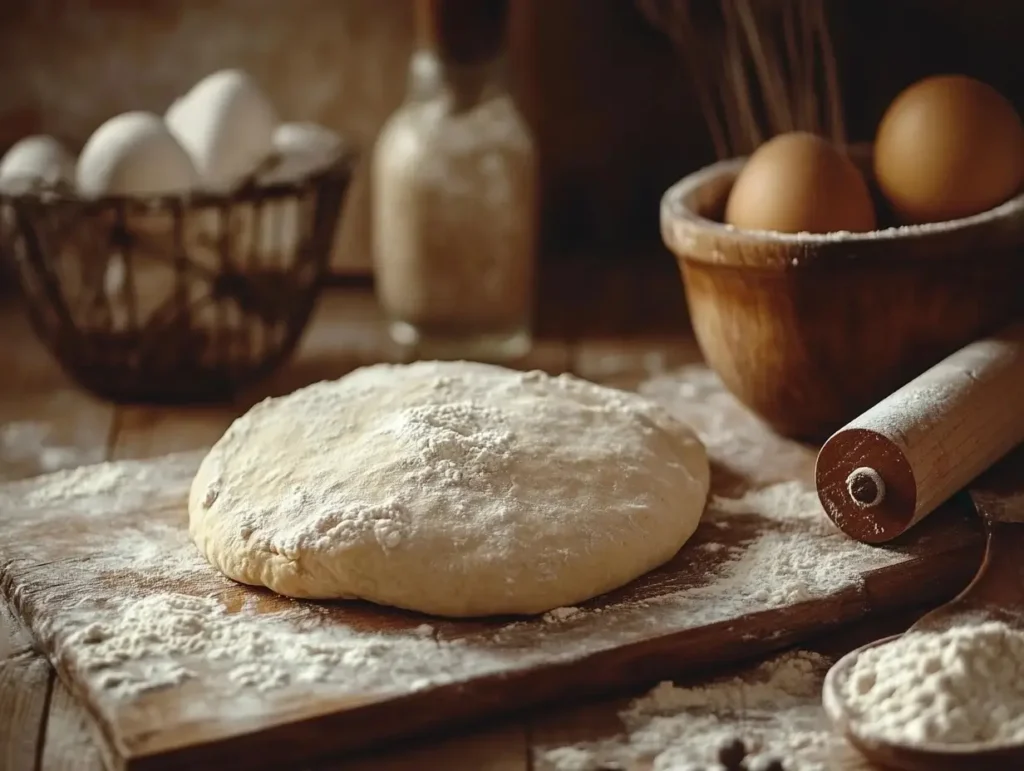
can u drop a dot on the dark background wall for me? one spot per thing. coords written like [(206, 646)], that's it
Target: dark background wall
[(608, 96)]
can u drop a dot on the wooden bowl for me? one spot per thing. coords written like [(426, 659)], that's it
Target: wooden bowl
[(808, 331)]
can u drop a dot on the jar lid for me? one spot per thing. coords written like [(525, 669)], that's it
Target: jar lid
[(462, 31)]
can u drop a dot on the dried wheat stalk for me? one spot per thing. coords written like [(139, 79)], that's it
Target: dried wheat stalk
[(760, 67)]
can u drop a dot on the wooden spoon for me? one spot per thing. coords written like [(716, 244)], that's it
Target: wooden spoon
[(995, 594)]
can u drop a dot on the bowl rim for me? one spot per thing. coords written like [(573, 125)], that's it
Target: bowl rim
[(695, 238)]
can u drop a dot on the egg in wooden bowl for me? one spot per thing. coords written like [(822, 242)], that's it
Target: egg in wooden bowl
[(807, 329)]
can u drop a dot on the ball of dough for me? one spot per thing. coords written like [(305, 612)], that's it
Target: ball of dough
[(454, 489)]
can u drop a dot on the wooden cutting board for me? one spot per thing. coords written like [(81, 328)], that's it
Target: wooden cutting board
[(183, 668)]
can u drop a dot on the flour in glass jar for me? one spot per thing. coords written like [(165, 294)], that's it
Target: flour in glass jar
[(455, 219)]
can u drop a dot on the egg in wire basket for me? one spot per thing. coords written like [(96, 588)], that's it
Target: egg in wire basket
[(177, 297)]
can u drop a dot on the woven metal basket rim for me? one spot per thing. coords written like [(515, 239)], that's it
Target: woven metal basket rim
[(177, 351), (250, 192)]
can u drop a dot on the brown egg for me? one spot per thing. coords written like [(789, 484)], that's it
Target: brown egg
[(948, 147), (800, 183)]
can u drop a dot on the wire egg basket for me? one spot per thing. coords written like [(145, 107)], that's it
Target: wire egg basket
[(177, 299)]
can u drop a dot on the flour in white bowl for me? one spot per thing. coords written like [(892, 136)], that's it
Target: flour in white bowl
[(961, 686)]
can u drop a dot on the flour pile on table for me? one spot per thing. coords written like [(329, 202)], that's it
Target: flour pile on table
[(774, 710)]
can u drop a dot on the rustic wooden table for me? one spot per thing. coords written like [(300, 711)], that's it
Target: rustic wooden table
[(46, 423)]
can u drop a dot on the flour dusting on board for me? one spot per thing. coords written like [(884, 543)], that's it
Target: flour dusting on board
[(70, 487), (800, 557), (561, 614), (771, 545), (161, 640), (80, 482), (131, 630), (794, 552), (31, 447), (100, 563), (774, 709)]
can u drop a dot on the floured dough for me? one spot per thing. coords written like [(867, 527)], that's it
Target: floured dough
[(454, 489)]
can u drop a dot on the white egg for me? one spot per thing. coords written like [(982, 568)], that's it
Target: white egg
[(304, 137), (36, 161), (227, 125), (134, 154), (301, 149)]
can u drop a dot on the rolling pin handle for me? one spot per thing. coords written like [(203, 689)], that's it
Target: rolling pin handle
[(866, 487)]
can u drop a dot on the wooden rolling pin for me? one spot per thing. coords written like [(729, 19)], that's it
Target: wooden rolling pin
[(887, 470)]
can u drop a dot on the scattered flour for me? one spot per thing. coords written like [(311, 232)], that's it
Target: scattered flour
[(780, 548), (144, 611), (80, 482), (961, 686), (561, 614), (131, 647), (739, 441), (156, 551), (34, 447), (774, 709), (800, 557)]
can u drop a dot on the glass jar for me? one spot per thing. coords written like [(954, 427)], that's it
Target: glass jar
[(455, 195)]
